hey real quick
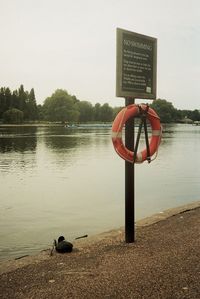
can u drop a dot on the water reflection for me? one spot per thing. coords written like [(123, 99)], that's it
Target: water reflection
[(63, 138), (18, 130), (17, 144), (55, 180), (66, 148), (18, 139), (64, 142)]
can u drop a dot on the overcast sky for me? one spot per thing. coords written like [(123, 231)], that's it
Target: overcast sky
[(50, 44)]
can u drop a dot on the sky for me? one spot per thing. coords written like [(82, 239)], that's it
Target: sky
[(51, 44)]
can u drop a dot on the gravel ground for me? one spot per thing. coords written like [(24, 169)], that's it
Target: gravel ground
[(164, 262)]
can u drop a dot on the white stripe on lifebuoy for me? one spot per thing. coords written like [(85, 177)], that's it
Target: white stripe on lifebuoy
[(156, 132), (116, 134)]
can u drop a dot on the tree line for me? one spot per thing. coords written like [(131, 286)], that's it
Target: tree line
[(169, 114), (20, 106), (17, 106), (63, 107)]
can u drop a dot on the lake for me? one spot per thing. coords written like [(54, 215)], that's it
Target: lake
[(60, 181)]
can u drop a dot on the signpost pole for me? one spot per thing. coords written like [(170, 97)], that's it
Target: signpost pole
[(135, 78), (129, 180)]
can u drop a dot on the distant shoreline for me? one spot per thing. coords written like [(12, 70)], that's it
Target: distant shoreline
[(32, 125), (76, 125)]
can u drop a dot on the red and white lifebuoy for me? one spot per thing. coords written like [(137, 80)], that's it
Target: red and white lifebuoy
[(121, 118)]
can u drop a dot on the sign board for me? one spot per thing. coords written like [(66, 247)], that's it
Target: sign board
[(136, 65)]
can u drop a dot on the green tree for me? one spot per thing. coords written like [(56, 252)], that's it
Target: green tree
[(15, 99), (8, 99), (74, 98), (194, 115), (31, 106), (106, 113), (13, 116), (40, 112), (22, 95), (61, 107), (116, 111), (2, 102), (97, 112), (86, 111), (165, 110)]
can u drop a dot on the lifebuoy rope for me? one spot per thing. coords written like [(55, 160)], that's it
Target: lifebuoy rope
[(143, 116), (160, 135)]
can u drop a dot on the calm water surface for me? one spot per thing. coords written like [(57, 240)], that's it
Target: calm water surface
[(59, 181)]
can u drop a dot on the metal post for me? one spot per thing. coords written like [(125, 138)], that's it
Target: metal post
[(129, 181)]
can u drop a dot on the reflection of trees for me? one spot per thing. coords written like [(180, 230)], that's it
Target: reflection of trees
[(76, 138), (18, 130), (18, 139), (71, 141), (168, 131), (57, 144), (69, 146), (65, 142), (19, 144)]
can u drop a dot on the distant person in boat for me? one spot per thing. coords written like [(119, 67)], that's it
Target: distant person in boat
[(62, 245)]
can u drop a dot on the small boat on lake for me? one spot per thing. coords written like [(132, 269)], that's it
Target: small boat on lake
[(196, 123)]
